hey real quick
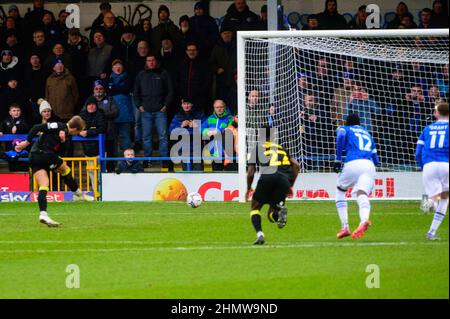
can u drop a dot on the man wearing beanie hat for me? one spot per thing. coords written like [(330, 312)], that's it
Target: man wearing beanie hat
[(240, 18), (126, 50), (223, 62), (165, 25), (61, 91), (186, 31), (206, 29)]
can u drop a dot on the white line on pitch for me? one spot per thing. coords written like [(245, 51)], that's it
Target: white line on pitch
[(202, 213), (212, 248)]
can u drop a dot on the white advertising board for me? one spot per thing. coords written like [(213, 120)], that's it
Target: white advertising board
[(224, 187)]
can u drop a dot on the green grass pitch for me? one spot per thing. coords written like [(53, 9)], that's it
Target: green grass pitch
[(168, 250)]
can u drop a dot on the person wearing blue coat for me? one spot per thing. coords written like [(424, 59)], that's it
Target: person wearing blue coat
[(184, 121), (119, 86)]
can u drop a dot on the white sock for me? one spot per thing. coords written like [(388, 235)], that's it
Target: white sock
[(78, 192), (441, 210), (342, 208), (364, 208), (43, 214), (436, 205), (260, 233)]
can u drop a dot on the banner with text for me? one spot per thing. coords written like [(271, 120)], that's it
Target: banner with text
[(224, 187), (14, 182)]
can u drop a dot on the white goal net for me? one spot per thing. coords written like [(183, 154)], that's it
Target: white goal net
[(304, 83)]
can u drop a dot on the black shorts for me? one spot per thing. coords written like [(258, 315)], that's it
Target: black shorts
[(272, 189), (47, 161)]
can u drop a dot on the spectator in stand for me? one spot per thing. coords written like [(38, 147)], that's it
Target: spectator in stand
[(111, 110), (33, 18), (9, 66), (61, 91), (129, 166), (46, 114), (442, 81), (58, 52), (169, 56), (401, 11), (186, 121), (193, 77), (359, 21), (258, 111), (223, 62), (104, 8), (153, 92), (187, 34), (96, 124), (34, 84), (313, 23), (12, 43), (240, 18), (126, 50), (425, 19), (144, 30), (341, 98), (50, 29), (364, 107), (15, 123), (165, 26), (99, 57), (415, 112), (40, 45), (434, 97), (263, 22), (78, 49), (137, 65), (119, 86), (439, 16), (112, 29), (205, 27), (311, 129), (61, 26), (330, 19), (408, 22), (13, 93), (13, 12), (213, 126), (9, 27)]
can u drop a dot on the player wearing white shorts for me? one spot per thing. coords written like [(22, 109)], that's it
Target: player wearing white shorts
[(358, 172), (432, 155)]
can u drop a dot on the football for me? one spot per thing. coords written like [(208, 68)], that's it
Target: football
[(194, 199)]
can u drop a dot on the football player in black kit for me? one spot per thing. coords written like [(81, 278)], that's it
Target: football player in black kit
[(45, 156), (278, 174)]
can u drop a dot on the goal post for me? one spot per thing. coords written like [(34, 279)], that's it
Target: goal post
[(303, 83)]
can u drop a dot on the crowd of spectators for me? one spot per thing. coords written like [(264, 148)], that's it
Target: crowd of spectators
[(129, 81)]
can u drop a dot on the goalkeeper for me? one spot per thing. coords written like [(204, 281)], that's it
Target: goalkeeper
[(278, 174)]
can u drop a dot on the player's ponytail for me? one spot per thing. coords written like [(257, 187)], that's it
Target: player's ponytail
[(77, 122)]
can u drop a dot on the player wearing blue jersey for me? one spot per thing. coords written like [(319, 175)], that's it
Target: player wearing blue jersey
[(358, 172), (432, 156)]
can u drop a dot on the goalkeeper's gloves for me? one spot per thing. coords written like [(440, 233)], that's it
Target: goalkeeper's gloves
[(337, 166)]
